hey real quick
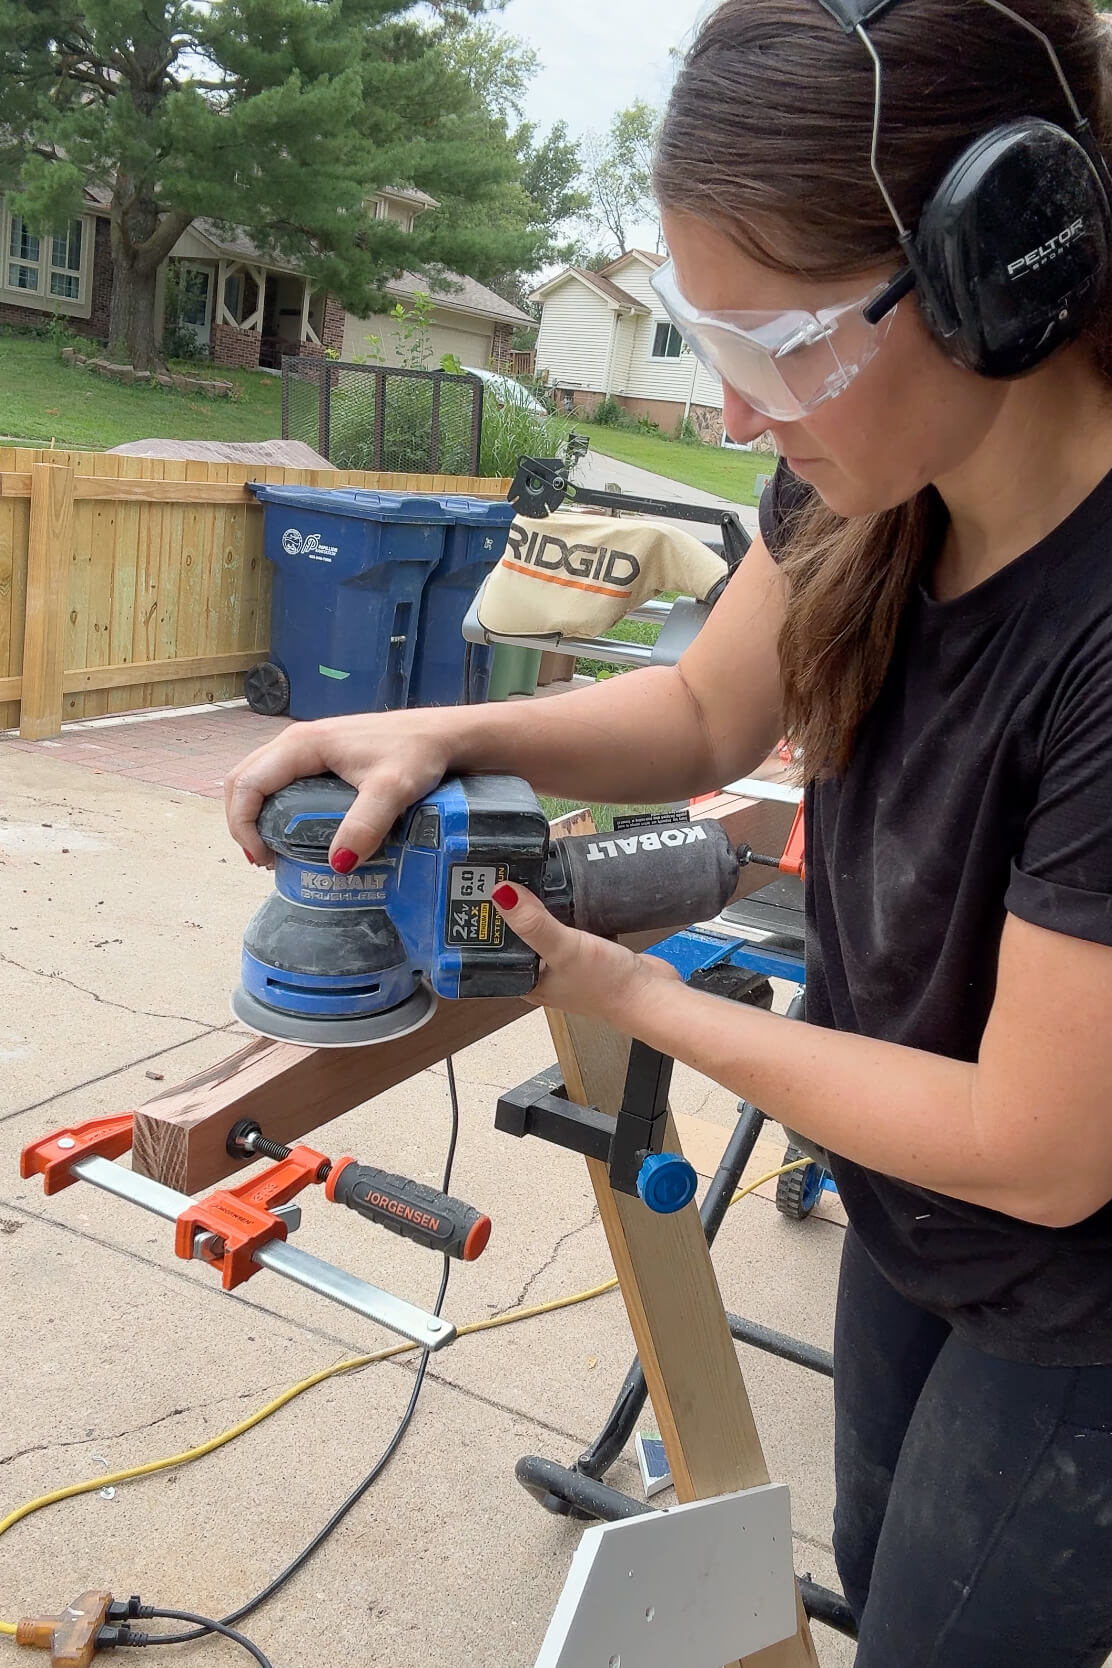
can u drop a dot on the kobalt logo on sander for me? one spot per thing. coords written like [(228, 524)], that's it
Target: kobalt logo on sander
[(1048, 251), (600, 850)]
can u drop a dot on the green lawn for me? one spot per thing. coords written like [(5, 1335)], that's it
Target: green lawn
[(603, 814), (43, 400), (713, 469)]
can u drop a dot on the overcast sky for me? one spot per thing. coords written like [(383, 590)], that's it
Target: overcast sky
[(597, 56)]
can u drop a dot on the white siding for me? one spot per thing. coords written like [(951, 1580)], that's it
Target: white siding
[(623, 353), (574, 341), (660, 379)]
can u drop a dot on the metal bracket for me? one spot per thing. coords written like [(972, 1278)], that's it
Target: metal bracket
[(542, 1108)]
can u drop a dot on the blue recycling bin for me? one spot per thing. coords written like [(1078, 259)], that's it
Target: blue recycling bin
[(349, 571), (445, 674)]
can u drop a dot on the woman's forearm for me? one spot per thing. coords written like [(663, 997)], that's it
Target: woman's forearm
[(635, 739), (896, 1110)]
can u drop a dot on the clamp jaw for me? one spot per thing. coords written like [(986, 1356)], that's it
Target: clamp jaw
[(226, 1229)]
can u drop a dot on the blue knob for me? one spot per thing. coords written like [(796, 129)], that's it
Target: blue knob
[(667, 1183)]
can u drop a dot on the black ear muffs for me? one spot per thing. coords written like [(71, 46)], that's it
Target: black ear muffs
[(1012, 250)]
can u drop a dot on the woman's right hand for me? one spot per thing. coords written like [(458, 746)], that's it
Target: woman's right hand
[(391, 759)]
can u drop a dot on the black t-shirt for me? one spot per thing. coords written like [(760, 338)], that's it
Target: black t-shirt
[(980, 785)]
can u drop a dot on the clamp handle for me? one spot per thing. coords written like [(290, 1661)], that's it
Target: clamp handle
[(409, 1208)]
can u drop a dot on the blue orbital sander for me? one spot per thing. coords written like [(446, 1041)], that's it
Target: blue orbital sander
[(342, 961)]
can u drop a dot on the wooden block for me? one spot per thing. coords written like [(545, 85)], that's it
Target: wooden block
[(48, 562), (180, 1138)]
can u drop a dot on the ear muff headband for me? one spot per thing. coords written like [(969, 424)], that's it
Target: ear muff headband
[(1012, 250)]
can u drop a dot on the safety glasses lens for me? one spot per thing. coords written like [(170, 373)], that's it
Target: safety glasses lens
[(782, 364)]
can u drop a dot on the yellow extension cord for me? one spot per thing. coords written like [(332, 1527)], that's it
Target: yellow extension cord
[(295, 1390)]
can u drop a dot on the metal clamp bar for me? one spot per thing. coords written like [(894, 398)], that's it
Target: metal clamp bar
[(290, 1261), (583, 648)]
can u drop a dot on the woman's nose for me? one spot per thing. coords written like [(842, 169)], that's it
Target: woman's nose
[(742, 422)]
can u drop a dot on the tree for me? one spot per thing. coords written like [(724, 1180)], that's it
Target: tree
[(498, 67), (280, 117), (618, 172), (546, 195)]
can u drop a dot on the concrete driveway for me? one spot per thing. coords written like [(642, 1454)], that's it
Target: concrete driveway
[(598, 471), (121, 909)]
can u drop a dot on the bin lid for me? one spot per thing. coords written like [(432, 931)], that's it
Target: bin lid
[(364, 505), (481, 512)]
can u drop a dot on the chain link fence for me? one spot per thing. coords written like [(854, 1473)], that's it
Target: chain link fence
[(384, 418)]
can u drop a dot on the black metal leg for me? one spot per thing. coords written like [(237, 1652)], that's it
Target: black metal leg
[(600, 1456), (567, 1493)]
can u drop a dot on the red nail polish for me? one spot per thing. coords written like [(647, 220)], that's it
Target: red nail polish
[(344, 861), (248, 856), (505, 897)]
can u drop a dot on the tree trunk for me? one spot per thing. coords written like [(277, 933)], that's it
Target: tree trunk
[(133, 334), (142, 237)]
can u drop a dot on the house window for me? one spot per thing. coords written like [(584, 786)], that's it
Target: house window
[(23, 268), (667, 343), (51, 270), (65, 262)]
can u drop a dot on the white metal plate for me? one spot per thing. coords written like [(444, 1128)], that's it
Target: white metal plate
[(700, 1585)]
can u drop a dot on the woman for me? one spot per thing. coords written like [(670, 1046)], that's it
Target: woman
[(929, 616)]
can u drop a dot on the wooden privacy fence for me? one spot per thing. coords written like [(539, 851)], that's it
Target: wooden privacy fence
[(132, 583)]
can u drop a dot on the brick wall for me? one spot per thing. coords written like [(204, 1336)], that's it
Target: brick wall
[(96, 325), (502, 346), (232, 346), (669, 414), (332, 331), (576, 399)]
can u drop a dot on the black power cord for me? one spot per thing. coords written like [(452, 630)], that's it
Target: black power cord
[(206, 1625), (203, 1628)]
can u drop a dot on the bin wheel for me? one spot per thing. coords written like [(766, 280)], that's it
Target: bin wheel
[(267, 689), (799, 1192)]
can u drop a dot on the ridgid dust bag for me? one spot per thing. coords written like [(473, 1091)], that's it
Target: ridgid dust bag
[(578, 575)]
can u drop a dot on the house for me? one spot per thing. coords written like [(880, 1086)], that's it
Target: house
[(243, 307), (604, 335)]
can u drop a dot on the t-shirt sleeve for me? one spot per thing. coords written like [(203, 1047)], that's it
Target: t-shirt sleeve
[(782, 499), (1062, 878)]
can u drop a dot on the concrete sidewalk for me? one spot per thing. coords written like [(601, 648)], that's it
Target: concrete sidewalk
[(122, 904)]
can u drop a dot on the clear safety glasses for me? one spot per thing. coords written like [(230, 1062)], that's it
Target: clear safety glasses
[(782, 364)]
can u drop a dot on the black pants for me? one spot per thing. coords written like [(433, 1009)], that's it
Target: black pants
[(974, 1520)]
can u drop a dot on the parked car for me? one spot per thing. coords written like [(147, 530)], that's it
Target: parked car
[(506, 390)]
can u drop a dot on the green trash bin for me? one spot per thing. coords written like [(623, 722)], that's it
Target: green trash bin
[(514, 672)]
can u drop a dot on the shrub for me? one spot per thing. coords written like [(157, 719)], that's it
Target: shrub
[(687, 434), (610, 415), (61, 334), (514, 432), (646, 425)]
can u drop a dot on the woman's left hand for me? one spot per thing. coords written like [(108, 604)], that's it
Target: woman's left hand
[(581, 974)]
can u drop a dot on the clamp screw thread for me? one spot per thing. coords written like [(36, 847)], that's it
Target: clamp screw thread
[(262, 1148)]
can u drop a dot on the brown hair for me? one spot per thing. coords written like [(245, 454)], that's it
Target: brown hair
[(768, 137)]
